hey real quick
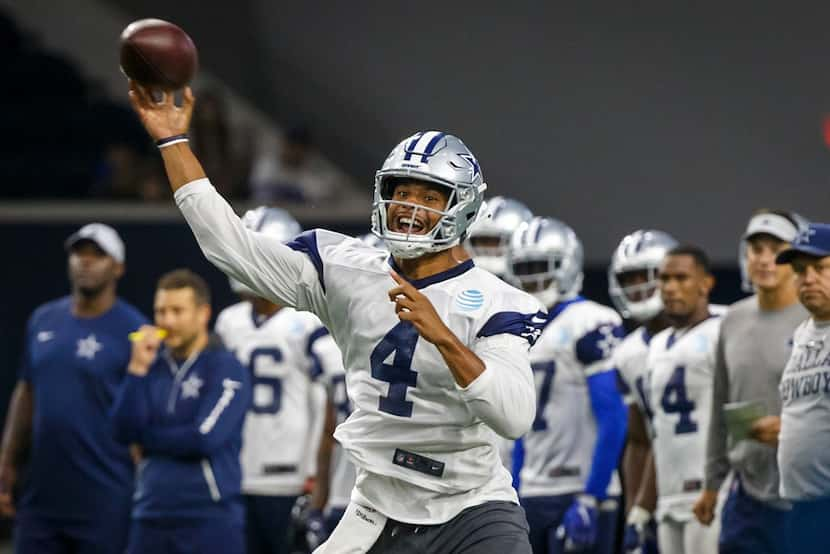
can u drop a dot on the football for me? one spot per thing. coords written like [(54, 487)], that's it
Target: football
[(158, 54)]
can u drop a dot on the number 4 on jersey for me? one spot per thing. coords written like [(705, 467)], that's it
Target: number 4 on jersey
[(400, 341), (675, 400)]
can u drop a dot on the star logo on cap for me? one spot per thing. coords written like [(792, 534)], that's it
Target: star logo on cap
[(88, 347), (804, 235)]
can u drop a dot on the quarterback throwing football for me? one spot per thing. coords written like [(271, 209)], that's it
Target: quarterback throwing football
[(435, 349)]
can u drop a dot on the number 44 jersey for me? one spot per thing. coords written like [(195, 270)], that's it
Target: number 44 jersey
[(681, 368), (285, 353)]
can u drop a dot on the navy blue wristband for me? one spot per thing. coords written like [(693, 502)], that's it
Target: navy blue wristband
[(169, 141)]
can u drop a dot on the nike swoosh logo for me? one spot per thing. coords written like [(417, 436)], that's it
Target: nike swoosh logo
[(44, 336)]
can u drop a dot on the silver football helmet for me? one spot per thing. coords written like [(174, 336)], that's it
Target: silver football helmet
[(642, 250), (438, 158), (490, 237), (545, 259), (274, 222)]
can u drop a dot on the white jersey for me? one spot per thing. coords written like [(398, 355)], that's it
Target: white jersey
[(342, 473), (285, 353), (630, 359), (558, 451), (424, 447), (681, 369)]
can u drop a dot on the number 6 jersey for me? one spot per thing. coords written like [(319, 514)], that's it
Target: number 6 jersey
[(285, 353), (680, 371), (424, 447)]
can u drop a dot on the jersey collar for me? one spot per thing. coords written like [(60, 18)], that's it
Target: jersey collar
[(460, 269), (678, 334)]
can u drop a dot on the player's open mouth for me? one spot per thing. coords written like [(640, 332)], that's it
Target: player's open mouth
[(408, 224)]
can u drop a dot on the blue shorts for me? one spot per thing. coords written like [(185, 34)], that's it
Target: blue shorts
[(809, 526), (268, 523), (545, 514), (202, 536), (749, 526), (37, 535)]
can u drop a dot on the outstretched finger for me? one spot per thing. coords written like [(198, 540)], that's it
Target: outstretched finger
[(188, 100)]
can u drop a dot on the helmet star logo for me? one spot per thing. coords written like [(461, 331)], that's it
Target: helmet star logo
[(470, 159)]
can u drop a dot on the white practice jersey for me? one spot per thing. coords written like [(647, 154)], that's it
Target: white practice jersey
[(424, 447), (285, 353), (630, 359), (577, 343), (681, 369), (342, 475)]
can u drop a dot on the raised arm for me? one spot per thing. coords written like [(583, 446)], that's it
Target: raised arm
[(281, 274)]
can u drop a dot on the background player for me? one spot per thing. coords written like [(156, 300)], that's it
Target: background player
[(433, 375), (489, 239), (79, 486), (335, 472), (681, 362), (633, 286), (284, 350), (572, 450)]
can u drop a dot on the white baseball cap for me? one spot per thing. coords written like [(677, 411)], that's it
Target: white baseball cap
[(102, 235), (771, 224)]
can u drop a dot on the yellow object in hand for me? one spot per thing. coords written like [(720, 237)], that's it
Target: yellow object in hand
[(138, 335)]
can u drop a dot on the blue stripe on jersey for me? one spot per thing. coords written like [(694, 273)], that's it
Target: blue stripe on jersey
[(316, 366), (307, 244), (598, 344), (527, 326), (517, 458), (438, 277)]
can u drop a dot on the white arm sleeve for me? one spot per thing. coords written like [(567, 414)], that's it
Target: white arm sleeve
[(504, 395), (330, 360), (267, 266)]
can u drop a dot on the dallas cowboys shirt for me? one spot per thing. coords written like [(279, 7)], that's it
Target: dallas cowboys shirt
[(803, 454), (74, 365), (187, 416)]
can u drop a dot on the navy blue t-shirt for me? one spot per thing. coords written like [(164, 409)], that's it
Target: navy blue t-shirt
[(77, 471)]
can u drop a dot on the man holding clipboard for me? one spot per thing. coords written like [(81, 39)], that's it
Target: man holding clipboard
[(753, 348)]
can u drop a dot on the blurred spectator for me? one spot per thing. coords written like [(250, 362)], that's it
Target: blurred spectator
[(295, 173), (214, 141)]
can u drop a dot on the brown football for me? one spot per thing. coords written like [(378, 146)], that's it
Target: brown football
[(158, 54)]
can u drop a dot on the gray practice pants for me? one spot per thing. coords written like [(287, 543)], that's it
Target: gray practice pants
[(491, 528)]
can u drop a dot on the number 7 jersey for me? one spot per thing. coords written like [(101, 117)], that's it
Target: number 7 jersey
[(680, 374)]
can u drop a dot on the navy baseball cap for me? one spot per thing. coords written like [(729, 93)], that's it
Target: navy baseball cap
[(813, 240)]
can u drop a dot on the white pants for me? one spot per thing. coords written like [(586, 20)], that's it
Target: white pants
[(688, 537)]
